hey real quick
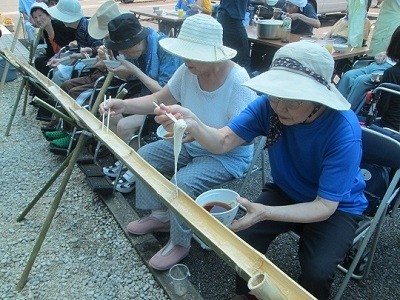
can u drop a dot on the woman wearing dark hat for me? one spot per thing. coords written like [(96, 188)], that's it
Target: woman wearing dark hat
[(314, 145), (141, 59), (210, 84)]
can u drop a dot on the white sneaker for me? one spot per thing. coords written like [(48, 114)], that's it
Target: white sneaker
[(126, 183), (113, 171)]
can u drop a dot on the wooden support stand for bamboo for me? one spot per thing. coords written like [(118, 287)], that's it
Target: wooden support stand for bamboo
[(265, 279)]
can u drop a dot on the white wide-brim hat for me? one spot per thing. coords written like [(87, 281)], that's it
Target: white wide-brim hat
[(67, 11), (98, 28), (301, 71), (199, 39), (43, 6)]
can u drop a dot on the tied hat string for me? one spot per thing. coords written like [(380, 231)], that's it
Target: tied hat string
[(275, 126)]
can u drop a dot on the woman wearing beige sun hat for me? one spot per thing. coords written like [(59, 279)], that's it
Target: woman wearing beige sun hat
[(314, 146), (210, 84)]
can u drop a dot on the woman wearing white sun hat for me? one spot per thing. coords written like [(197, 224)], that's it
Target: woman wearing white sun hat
[(210, 84), (71, 14), (314, 145)]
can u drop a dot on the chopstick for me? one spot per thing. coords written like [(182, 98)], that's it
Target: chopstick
[(169, 115), (108, 116)]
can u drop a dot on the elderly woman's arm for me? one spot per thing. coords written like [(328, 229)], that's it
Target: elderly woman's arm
[(309, 212), (214, 140), (309, 21)]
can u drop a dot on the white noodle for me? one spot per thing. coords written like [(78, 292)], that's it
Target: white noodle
[(179, 131)]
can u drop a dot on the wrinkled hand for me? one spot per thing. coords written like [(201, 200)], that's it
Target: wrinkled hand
[(180, 113), (295, 16), (87, 50), (125, 70), (53, 62), (116, 107), (253, 215), (101, 52), (380, 58), (73, 44)]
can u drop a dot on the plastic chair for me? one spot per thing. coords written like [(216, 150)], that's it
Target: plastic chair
[(380, 150)]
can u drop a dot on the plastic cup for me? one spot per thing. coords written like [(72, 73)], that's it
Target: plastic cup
[(180, 274), (329, 45)]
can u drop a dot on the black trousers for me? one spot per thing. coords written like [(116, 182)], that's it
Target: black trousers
[(235, 36), (322, 246)]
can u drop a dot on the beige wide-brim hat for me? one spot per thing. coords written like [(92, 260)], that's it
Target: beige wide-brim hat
[(98, 22), (199, 39), (67, 11), (288, 81)]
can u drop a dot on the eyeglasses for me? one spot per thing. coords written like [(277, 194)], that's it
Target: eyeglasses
[(289, 104)]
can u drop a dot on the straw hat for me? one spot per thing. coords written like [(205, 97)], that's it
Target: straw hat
[(301, 71), (67, 11), (124, 32), (199, 39), (98, 22)]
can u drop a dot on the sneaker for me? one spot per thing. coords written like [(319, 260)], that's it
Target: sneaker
[(113, 170), (62, 143), (163, 260), (54, 135), (126, 183), (147, 225)]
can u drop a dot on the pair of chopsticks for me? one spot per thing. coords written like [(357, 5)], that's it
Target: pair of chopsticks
[(108, 116), (169, 115)]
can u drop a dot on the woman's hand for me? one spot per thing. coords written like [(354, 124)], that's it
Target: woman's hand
[(179, 112), (380, 58), (116, 106), (254, 214), (124, 70)]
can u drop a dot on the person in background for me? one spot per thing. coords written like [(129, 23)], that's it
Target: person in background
[(71, 14), (231, 13), (207, 79), (183, 4), (143, 60), (24, 8), (56, 35), (314, 146), (200, 6), (355, 83), (387, 22), (97, 29), (303, 15), (388, 105)]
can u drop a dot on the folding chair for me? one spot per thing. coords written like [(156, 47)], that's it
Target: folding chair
[(382, 151)]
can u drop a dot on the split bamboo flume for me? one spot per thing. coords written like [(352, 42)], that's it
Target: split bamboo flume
[(265, 279)]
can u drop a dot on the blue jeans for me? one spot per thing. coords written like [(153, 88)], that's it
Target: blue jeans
[(355, 83)]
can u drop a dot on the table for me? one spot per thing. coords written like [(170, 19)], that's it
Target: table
[(349, 53), (168, 16), (263, 50)]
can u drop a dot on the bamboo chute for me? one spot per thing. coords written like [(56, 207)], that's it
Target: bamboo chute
[(266, 279)]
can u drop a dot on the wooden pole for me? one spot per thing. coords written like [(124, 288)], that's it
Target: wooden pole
[(7, 65)]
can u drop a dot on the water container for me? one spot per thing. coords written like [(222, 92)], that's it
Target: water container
[(12, 72)]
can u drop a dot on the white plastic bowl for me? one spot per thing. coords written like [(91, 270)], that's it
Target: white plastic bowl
[(226, 196), (163, 134), (89, 62), (340, 47), (112, 64), (158, 12)]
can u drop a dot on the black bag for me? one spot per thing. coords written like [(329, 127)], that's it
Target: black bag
[(377, 182)]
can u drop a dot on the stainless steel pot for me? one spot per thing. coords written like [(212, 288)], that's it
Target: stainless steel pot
[(269, 29)]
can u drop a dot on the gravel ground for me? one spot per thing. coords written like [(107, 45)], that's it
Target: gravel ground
[(85, 254)]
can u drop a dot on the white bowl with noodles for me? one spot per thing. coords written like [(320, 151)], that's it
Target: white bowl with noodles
[(221, 203), (340, 47), (89, 62), (112, 63), (163, 134)]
